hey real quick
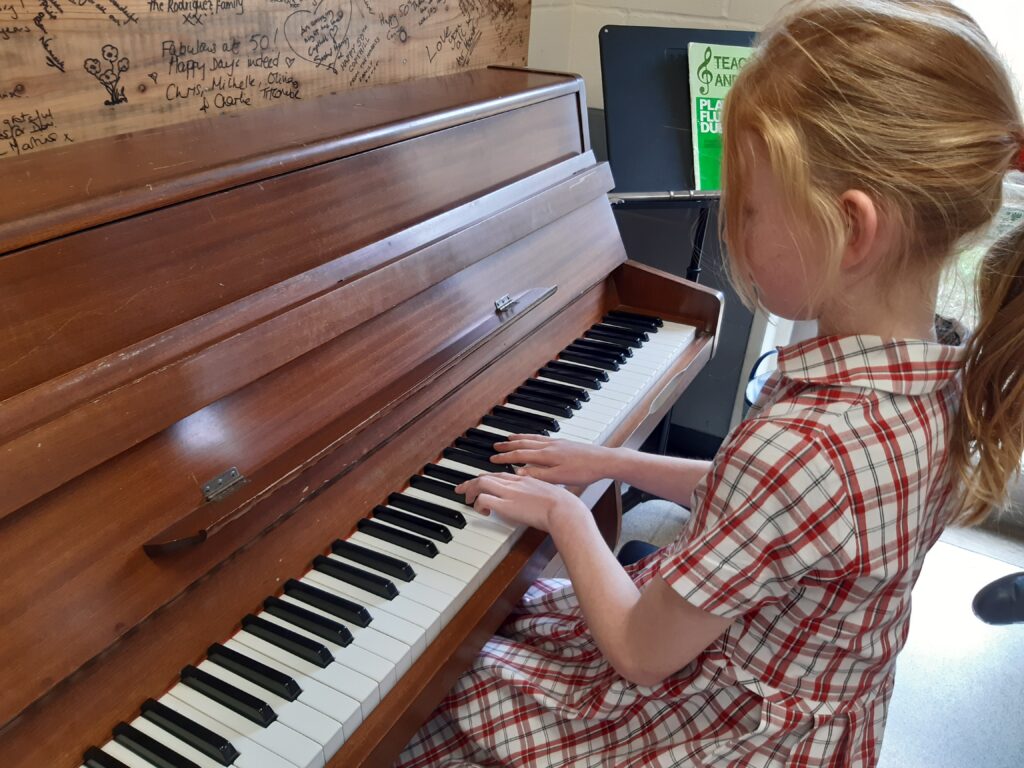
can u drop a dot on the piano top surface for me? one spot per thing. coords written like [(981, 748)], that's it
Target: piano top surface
[(67, 189)]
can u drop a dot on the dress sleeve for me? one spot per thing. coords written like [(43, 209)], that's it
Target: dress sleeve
[(773, 509)]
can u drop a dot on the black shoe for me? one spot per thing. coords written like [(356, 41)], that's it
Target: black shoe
[(1002, 601)]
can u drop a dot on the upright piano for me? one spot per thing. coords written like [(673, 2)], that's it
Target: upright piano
[(244, 361)]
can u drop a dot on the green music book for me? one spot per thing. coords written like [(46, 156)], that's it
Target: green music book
[(713, 68)]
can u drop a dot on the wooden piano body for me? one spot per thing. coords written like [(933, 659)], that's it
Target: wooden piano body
[(307, 298)]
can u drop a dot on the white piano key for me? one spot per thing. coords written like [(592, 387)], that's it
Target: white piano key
[(452, 581), (171, 741), (470, 536), (405, 632), (426, 620), (419, 593), (251, 754), (125, 755), (394, 652), (578, 425), (458, 574), (334, 675), (600, 395), (315, 694), (277, 737), (453, 549), (508, 530), (301, 718)]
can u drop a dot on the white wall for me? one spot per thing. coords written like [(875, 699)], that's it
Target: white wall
[(563, 33)]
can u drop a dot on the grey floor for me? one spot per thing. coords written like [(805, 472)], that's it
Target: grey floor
[(959, 698)]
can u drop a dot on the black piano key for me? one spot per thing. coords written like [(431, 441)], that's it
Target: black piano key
[(515, 427), (635, 334), (582, 380), (97, 758), (286, 640), (467, 446), (482, 437), (577, 393), (549, 396), (587, 359), (357, 577), (609, 354), (254, 671), (535, 419), (392, 566), (197, 736), (238, 701), (479, 460), (413, 524), (475, 460), (449, 475), (437, 488), (604, 346), (637, 317), (312, 622), (399, 538), (149, 749), (427, 509), (578, 370), (632, 325), (541, 404), (626, 341), (343, 608)]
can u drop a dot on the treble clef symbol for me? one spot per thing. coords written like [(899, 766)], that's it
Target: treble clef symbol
[(704, 73)]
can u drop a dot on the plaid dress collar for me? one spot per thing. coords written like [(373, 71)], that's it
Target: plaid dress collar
[(902, 367)]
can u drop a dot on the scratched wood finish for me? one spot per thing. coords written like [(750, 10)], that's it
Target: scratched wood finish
[(72, 72), (146, 662), (106, 293), (94, 626), (323, 390), (68, 189), (46, 447)]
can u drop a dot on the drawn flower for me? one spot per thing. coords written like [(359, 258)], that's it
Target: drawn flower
[(92, 66), (122, 64), (110, 53), (108, 77)]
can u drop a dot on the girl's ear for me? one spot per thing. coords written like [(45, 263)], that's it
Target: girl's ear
[(862, 238)]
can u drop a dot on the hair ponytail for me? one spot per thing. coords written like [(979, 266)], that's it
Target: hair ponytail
[(988, 435)]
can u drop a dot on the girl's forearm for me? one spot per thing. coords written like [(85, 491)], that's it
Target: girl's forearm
[(667, 477), (605, 592)]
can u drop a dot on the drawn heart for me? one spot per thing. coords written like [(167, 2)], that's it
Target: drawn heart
[(320, 36), (289, 60)]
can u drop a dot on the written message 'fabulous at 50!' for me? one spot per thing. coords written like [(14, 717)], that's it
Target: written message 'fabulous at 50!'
[(713, 68)]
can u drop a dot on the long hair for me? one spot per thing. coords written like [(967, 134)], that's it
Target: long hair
[(908, 101)]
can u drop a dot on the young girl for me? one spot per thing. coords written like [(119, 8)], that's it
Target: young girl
[(862, 141)]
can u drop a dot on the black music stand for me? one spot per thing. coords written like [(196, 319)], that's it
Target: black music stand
[(646, 87)]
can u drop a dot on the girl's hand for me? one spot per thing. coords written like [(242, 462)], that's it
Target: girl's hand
[(555, 461), (523, 500)]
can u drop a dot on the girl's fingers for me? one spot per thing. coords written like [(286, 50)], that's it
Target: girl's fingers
[(519, 456), (512, 445), (531, 438), (486, 503)]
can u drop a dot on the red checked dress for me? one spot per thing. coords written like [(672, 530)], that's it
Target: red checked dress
[(809, 531)]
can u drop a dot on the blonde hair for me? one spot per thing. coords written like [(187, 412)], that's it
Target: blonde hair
[(908, 101)]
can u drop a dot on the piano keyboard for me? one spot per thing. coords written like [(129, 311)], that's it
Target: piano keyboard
[(300, 676)]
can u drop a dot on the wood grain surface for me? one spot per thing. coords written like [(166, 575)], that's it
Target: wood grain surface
[(83, 69)]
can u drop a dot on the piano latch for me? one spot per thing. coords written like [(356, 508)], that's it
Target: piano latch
[(223, 485), (504, 303)]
